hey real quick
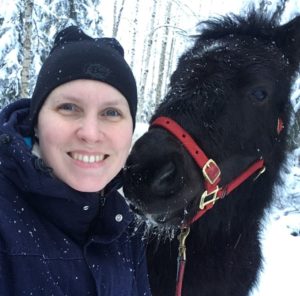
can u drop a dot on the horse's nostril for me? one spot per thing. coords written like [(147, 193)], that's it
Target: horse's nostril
[(163, 180)]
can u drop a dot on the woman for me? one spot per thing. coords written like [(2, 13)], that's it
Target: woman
[(64, 228)]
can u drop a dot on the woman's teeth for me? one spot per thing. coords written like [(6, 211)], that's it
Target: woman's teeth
[(88, 158)]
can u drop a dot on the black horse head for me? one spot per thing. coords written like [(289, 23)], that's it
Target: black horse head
[(228, 92)]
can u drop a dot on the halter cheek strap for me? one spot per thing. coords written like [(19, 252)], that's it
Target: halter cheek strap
[(210, 170), (280, 126)]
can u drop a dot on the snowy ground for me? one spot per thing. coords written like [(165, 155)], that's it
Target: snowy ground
[(280, 236), (281, 249)]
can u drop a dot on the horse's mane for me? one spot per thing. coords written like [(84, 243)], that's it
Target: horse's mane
[(253, 23)]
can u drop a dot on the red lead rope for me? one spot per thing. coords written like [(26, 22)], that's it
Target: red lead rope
[(212, 176), (181, 260)]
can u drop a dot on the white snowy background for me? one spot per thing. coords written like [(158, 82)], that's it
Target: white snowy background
[(280, 236)]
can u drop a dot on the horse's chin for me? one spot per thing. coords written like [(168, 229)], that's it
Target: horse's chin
[(160, 219), (163, 221)]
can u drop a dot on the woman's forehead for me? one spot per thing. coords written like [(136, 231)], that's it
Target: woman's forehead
[(88, 91)]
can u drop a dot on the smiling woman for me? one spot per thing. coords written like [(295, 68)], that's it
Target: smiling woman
[(63, 225), (95, 133)]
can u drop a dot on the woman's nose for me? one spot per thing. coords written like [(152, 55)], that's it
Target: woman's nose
[(90, 130)]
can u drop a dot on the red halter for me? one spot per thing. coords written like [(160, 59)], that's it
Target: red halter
[(210, 170), (212, 177)]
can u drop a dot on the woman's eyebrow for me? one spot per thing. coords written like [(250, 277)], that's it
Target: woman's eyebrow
[(104, 103), (63, 97), (113, 103)]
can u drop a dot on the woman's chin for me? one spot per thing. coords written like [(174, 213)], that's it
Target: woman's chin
[(83, 186)]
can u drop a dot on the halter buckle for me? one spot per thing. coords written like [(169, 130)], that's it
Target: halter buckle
[(261, 171), (213, 198), (182, 238), (211, 171)]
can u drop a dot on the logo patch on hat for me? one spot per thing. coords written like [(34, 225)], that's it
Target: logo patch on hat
[(97, 71)]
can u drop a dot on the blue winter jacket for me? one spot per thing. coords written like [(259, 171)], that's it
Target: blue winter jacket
[(55, 240)]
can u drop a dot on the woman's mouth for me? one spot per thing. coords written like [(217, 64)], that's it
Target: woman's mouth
[(88, 158)]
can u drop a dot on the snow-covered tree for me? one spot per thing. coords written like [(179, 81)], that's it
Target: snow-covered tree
[(27, 30), (10, 51)]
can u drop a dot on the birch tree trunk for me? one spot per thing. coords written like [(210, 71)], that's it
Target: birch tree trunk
[(73, 12), (169, 69), (164, 57), (175, 38), (117, 16), (27, 27), (148, 44), (134, 34)]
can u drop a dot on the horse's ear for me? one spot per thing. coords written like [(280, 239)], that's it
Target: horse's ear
[(288, 39)]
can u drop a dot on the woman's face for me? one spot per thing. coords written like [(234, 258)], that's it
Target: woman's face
[(85, 131)]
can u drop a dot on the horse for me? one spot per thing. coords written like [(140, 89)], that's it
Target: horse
[(208, 164)]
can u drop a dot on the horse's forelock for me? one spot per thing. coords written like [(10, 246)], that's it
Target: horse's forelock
[(253, 24)]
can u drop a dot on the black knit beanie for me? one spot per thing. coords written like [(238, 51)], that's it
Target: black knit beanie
[(76, 55)]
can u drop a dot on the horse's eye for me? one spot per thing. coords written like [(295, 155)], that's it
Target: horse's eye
[(259, 94)]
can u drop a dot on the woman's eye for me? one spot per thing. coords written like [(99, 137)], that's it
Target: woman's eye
[(68, 107), (111, 113)]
